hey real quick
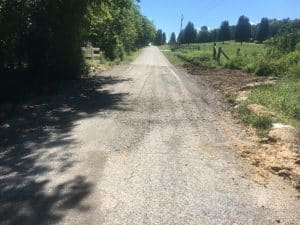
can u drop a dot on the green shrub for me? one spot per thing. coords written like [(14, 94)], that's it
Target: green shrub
[(231, 98), (282, 43), (264, 68), (235, 63), (295, 70), (269, 65), (262, 123)]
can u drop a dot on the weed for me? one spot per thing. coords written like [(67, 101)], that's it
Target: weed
[(261, 123), (231, 98)]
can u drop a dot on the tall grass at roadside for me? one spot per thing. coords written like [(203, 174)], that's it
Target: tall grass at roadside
[(282, 98), (252, 58), (202, 55)]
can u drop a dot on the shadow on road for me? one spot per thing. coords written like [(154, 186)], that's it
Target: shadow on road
[(37, 134)]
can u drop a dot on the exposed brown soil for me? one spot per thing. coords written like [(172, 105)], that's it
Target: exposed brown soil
[(225, 80), (280, 152)]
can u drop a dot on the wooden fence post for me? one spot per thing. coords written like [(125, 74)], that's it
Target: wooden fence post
[(215, 50)]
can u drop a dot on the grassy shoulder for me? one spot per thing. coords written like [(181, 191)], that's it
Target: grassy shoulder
[(202, 54), (283, 98)]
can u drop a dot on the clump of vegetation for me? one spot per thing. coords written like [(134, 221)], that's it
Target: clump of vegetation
[(231, 98), (40, 41), (262, 123)]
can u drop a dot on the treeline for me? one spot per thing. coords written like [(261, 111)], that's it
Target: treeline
[(43, 39), (243, 31)]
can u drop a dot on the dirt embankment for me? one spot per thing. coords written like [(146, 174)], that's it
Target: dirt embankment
[(279, 153)]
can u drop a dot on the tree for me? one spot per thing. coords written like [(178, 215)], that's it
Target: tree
[(146, 32), (180, 38), (43, 39), (203, 35), (224, 33), (118, 27), (172, 39), (190, 33), (263, 30), (243, 29), (164, 38), (213, 35), (159, 39)]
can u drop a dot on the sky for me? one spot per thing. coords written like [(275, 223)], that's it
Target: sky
[(166, 14)]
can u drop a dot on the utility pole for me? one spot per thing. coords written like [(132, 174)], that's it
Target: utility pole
[(180, 28), (181, 22)]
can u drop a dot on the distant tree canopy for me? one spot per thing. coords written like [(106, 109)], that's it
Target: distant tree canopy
[(243, 29), (263, 30), (188, 35), (45, 37), (224, 33), (172, 40), (241, 32), (160, 38), (164, 38), (203, 35)]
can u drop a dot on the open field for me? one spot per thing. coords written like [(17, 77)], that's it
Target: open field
[(202, 54)]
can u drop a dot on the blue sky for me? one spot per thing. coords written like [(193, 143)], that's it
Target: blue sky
[(166, 13)]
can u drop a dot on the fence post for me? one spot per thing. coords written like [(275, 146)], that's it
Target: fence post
[(215, 50)]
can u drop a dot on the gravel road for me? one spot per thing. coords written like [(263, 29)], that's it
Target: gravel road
[(143, 144)]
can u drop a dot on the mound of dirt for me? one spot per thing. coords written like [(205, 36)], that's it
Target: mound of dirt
[(279, 154), (284, 133), (225, 80)]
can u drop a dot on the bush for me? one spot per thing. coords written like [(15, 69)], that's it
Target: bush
[(264, 68), (262, 123), (283, 43), (235, 63), (268, 65), (295, 70)]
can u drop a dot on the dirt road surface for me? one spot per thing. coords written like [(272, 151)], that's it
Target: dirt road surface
[(140, 144)]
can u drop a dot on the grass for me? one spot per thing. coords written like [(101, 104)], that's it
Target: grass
[(282, 98), (262, 123), (231, 98), (174, 59), (202, 55)]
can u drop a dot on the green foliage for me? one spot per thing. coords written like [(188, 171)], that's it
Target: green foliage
[(231, 98), (188, 35), (224, 33), (283, 98), (276, 62), (263, 30), (203, 35), (264, 67), (262, 123), (243, 29), (164, 38), (43, 39), (283, 43), (172, 39), (159, 38), (115, 23), (235, 63)]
